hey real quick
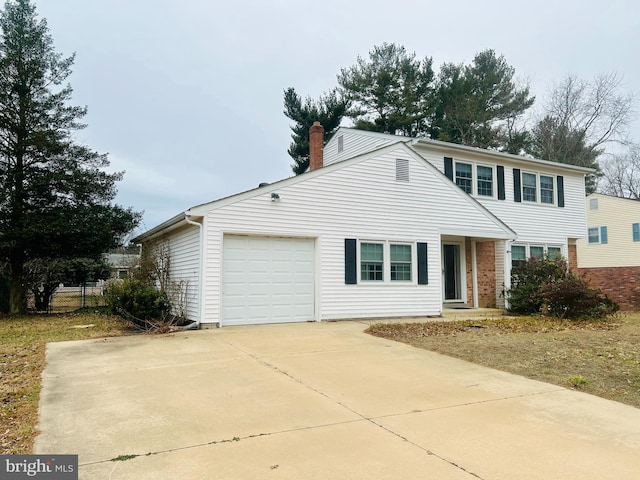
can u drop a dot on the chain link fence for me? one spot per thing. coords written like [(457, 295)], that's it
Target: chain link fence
[(68, 298)]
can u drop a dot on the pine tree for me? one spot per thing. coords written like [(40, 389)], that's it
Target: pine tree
[(55, 198), (329, 110)]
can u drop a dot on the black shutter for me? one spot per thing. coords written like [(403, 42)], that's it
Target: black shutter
[(448, 167), (350, 262), (517, 192), (423, 264), (560, 180), (500, 172)]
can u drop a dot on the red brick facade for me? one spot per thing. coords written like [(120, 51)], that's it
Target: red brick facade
[(621, 284), (573, 257), (486, 265), (486, 261)]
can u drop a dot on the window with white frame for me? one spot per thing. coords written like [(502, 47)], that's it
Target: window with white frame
[(485, 181), (372, 262), (546, 189), (520, 253), (593, 204), (400, 259), (464, 176), (597, 235), (386, 262), (484, 176), (529, 187)]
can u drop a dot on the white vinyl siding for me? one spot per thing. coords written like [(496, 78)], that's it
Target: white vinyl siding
[(183, 250), (348, 143), (360, 200), (534, 222)]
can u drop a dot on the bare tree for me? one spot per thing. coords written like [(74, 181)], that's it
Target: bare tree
[(581, 118), (621, 174)]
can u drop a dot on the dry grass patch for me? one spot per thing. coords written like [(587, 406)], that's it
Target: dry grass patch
[(597, 357), (22, 359)]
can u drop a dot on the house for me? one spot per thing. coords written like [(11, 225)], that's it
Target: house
[(380, 226), (610, 255)]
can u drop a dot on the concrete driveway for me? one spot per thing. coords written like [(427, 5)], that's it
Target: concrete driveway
[(317, 401)]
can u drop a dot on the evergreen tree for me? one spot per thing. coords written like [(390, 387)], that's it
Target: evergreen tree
[(478, 104), (329, 110), (391, 91), (55, 198)]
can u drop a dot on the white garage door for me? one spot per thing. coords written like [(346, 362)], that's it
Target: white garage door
[(267, 280)]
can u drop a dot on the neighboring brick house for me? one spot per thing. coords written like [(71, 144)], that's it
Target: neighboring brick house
[(380, 226), (610, 255)]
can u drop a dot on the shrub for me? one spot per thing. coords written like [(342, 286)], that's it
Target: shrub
[(527, 279), (571, 297), (137, 299), (545, 285)]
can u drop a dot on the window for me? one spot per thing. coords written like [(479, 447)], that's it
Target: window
[(340, 143), (593, 204), (597, 235), (400, 262), (635, 228), (546, 189), (536, 251), (464, 176), (554, 252), (485, 181), (529, 184), (520, 253), (371, 261)]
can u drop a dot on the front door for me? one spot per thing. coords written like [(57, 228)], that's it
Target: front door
[(451, 272)]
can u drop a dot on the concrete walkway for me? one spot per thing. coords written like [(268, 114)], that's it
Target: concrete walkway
[(317, 401)]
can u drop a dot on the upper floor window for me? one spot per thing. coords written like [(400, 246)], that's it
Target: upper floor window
[(464, 176), (546, 189), (593, 204), (485, 181), (529, 184), (635, 228), (597, 235), (484, 178)]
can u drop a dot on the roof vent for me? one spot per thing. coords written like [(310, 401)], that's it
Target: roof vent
[(263, 184)]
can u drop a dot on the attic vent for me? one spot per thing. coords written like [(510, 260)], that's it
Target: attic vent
[(340, 143), (402, 170), (593, 204)]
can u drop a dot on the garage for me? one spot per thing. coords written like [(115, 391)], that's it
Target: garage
[(267, 280)]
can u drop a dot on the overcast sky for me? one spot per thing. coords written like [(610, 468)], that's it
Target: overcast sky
[(186, 95)]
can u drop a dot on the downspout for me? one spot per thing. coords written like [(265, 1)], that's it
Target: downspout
[(200, 268)]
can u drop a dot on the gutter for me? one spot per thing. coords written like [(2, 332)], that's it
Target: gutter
[(200, 268)]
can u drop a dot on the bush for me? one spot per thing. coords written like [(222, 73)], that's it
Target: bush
[(572, 298), (137, 299), (547, 286), (527, 279)]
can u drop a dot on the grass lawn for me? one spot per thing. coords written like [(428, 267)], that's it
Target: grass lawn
[(22, 359), (601, 358)]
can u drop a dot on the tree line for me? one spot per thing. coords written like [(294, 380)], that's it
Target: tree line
[(479, 104)]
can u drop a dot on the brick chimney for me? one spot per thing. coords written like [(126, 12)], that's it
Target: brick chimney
[(316, 144)]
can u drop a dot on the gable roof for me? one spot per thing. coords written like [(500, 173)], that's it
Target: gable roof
[(440, 145), (199, 211)]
